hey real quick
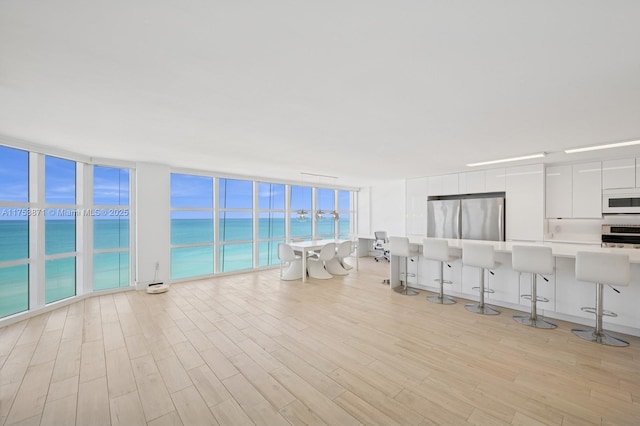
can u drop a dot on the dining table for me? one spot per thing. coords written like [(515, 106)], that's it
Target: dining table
[(304, 247)]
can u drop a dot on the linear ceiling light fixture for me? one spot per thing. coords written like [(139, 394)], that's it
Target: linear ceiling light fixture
[(597, 147), (506, 160), (317, 175)]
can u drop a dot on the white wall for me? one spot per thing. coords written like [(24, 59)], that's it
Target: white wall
[(153, 226), (416, 207), (388, 206), (364, 212)]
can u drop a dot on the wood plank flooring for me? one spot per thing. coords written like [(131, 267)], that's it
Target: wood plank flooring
[(251, 349)]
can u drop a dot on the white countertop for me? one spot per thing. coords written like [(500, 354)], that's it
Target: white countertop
[(558, 249)]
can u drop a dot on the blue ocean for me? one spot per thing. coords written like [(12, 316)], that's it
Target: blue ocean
[(111, 270)]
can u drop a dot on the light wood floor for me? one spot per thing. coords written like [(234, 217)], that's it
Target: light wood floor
[(251, 349)]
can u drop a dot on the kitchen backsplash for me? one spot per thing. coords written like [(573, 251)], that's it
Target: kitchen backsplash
[(584, 230)]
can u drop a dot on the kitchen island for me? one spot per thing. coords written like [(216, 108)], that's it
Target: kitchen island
[(566, 295)]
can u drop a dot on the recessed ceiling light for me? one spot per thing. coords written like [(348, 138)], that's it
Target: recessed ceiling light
[(597, 147), (506, 160)]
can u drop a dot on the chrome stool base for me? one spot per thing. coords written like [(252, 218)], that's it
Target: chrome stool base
[(441, 300), (603, 338), (407, 291), (476, 308), (531, 322)]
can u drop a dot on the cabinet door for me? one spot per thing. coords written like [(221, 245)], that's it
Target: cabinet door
[(558, 191), (587, 190), (525, 202), (417, 206), (450, 184), (494, 180), (435, 185), (471, 182), (619, 173)]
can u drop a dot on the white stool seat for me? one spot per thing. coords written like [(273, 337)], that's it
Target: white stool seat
[(400, 247), (293, 262), (611, 269), (481, 256), (533, 260), (438, 250), (316, 266)]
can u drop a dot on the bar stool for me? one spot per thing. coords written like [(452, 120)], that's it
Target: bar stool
[(534, 260), (438, 250), (611, 269), (399, 246), (480, 256)]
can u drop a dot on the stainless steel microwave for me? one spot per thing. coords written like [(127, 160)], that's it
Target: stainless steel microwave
[(621, 201)]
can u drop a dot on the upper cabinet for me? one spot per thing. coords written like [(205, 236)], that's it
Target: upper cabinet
[(558, 189), (587, 190), (525, 202), (574, 191), (443, 185), (434, 185), (619, 173), (494, 180), (471, 182), (475, 182)]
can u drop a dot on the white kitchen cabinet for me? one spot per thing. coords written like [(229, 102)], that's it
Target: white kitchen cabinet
[(637, 172), (443, 184), (450, 184), (471, 182), (417, 206), (587, 190), (525, 202), (619, 173), (494, 180), (574, 191), (558, 184), (434, 185)]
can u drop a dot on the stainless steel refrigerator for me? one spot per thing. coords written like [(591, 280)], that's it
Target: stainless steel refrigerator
[(471, 218), (443, 218)]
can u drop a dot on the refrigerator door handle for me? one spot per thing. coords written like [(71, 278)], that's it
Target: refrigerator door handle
[(458, 219), (501, 221)]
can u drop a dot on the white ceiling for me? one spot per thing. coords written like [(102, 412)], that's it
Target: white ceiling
[(365, 90)]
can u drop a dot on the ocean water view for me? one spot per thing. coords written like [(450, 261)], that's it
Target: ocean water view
[(112, 269)]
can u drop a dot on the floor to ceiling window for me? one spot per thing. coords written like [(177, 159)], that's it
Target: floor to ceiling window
[(66, 225), (235, 224), (14, 231), (271, 222), (60, 228), (300, 216), (111, 228), (191, 226)]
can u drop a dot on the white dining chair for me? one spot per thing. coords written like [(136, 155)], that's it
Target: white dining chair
[(291, 260), (316, 266), (334, 266)]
